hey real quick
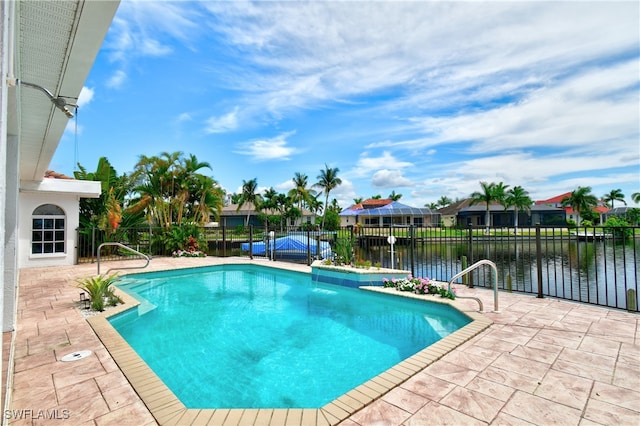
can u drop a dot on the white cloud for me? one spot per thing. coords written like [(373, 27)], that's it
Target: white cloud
[(366, 164), (533, 93), (268, 149), (183, 117), (117, 79), (331, 50), (389, 179), (86, 96), (148, 28), (223, 123)]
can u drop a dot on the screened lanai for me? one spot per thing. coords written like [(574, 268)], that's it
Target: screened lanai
[(394, 213)]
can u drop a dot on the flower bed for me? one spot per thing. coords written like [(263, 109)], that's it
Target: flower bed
[(187, 253), (420, 286)]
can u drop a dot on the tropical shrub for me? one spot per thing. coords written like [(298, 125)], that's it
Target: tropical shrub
[(185, 237), (98, 289), (343, 251), (618, 227)]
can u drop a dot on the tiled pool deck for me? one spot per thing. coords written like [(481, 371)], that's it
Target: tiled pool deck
[(541, 361)]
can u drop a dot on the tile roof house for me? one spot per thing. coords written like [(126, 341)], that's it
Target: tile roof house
[(556, 202), (231, 217), (386, 212)]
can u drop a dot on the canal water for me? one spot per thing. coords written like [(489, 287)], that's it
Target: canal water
[(600, 272)]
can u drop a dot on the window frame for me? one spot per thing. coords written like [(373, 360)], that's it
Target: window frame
[(51, 234)]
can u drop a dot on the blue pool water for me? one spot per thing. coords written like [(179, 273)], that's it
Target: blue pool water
[(247, 336)]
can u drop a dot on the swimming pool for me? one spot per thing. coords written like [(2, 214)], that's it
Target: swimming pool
[(248, 336)]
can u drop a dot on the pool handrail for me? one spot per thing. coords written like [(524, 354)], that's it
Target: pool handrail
[(148, 259), (495, 284)]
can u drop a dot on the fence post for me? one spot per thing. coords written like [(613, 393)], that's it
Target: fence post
[(224, 241), (308, 247), (411, 250), (251, 243), (470, 275), (93, 242), (539, 260)]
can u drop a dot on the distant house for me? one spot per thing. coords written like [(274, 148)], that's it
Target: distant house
[(231, 217), (386, 212), (556, 202), (463, 214), (449, 214), (619, 212)]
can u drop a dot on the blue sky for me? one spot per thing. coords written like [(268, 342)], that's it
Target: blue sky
[(421, 98)]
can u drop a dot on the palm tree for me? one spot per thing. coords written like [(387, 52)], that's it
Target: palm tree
[(249, 196), (269, 198), (327, 180), (519, 198), (334, 206), (580, 200), (444, 201), (314, 204), (300, 194), (500, 193), (432, 206), (394, 197), (490, 192), (209, 199), (614, 195), (269, 201), (635, 197), (358, 200), (105, 212), (185, 185), (282, 204), (151, 175)]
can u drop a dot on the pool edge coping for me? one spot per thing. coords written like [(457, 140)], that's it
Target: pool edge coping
[(167, 408)]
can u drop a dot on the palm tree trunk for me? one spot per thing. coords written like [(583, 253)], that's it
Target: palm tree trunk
[(487, 220), (324, 211)]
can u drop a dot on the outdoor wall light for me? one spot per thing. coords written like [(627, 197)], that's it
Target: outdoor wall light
[(58, 101)]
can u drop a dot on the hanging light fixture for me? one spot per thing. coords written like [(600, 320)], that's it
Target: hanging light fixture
[(58, 101)]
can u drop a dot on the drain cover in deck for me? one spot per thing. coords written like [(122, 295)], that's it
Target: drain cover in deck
[(74, 356)]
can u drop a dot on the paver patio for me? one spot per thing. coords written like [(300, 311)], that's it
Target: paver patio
[(543, 361)]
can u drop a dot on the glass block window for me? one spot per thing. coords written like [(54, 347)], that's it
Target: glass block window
[(48, 230)]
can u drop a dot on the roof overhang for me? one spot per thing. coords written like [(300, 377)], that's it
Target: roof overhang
[(56, 43), (79, 188)]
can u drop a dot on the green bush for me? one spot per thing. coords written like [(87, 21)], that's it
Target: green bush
[(343, 251), (182, 237), (618, 227), (98, 288)]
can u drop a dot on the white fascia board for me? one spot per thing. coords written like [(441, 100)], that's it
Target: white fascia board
[(81, 188)]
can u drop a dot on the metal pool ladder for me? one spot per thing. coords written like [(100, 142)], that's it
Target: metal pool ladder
[(126, 248), (495, 283)]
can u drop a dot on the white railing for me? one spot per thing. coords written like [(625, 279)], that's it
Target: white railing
[(495, 282), (126, 248)]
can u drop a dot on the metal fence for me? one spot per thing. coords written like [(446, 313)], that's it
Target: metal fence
[(594, 265)]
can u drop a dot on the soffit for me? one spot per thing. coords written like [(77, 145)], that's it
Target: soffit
[(57, 42)]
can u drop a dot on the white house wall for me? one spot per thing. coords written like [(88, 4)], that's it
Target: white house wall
[(27, 203)]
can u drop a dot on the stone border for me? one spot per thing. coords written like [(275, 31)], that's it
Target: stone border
[(167, 409)]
